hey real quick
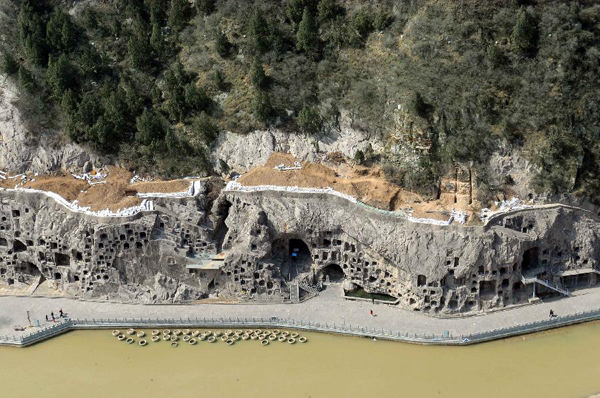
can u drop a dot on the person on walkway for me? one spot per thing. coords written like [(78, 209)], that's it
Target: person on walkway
[(52, 315), (61, 313), (372, 313), (551, 313), (47, 318), (373, 300)]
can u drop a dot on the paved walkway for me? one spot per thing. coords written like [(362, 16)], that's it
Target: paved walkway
[(328, 307)]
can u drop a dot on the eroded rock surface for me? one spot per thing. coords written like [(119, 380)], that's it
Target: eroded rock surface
[(280, 246)]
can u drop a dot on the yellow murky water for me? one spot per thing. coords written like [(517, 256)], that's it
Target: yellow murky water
[(563, 363)]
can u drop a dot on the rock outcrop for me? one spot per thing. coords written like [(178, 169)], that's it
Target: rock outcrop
[(265, 245)]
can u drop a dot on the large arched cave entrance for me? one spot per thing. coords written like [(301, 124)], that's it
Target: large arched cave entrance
[(331, 273)]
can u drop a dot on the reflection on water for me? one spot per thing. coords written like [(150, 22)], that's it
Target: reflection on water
[(561, 363)]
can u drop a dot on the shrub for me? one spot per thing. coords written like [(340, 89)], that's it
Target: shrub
[(150, 127), (9, 65), (525, 33), (26, 80), (306, 38), (359, 156), (222, 45), (205, 7), (204, 128), (309, 120), (258, 76), (261, 106)]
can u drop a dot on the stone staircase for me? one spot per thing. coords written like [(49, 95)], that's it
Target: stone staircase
[(548, 284)]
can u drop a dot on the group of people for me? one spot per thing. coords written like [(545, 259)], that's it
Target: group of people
[(52, 318)]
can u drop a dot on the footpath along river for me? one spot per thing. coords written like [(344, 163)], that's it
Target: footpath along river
[(561, 363)]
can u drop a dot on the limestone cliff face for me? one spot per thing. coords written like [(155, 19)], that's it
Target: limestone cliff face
[(260, 245), (35, 151)]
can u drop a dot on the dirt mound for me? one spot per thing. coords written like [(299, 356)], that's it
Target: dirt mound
[(114, 192), (360, 182), (366, 184), (162, 186)]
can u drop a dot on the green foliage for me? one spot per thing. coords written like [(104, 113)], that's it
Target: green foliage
[(196, 98), (382, 20), (219, 80), (361, 27), (32, 32), (525, 33), (295, 9), (359, 156), (327, 10), (26, 80), (257, 75), (9, 65), (205, 129), (495, 55), (60, 32), (60, 75), (307, 36), (222, 45), (309, 120), (259, 32), (177, 15), (205, 7), (418, 106), (150, 127), (68, 102), (261, 106)]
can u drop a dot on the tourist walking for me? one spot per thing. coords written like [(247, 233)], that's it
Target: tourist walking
[(372, 313), (551, 314), (52, 315), (62, 315), (47, 320)]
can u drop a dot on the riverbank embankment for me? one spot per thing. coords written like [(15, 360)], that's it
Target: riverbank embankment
[(328, 312)]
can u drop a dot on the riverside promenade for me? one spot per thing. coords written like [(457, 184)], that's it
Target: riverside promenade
[(327, 308)]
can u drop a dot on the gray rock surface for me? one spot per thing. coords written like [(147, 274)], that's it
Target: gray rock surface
[(40, 151)]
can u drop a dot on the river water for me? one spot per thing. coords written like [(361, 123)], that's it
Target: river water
[(562, 363)]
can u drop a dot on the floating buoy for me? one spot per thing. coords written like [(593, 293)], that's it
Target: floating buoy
[(166, 331), (224, 338), (202, 337), (282, 339), (262, 336), (272, 337), (294, 335), (248, 332), (229, 332), (291, 340), (177, 332), (264, 342), (230, 341), (186, 337), (174, 338), (302, 339), (217, 333), (130, 332), (121, 337), (174, 344), (245, 336), (236, 337), (192, 341), (211, 339), (155, 332), (195, 333), (276, 332), (155, 338), (258, 331), (253, 336), (166, 337), (116, 333), (143, 342), (141, 334), (130, 341), (240, 332), (186, 332), (285, 333)]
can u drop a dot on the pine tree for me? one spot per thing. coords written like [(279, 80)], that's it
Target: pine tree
[(177, 15), (156, 39), (59, 75), (259, 32), (26, 80), (525, 33), (60, 32), (258, 76), (150, 127), (205, 128), (222, 45), (261, 106), (309, 120), (326, 10), (306, 38)]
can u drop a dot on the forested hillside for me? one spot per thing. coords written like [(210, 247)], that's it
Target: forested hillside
[(153, 82)]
